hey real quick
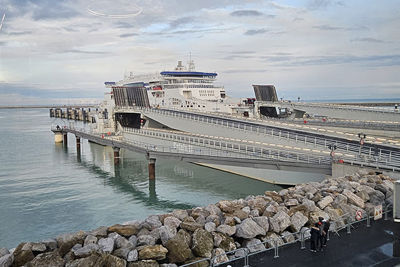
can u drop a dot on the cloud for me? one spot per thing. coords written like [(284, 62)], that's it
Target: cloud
[(180, 22), (125, 35), (242, 13), (322, 4), (255, 32), (367, 40), (328, 28), (19, 33), (77, 51)]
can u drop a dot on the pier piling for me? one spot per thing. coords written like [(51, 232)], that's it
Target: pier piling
[(65, 139), (78, 144), (116, 155), (152, 168)]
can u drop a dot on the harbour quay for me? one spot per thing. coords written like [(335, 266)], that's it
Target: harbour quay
[(254, 231)]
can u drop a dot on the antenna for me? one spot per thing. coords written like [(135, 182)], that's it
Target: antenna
[(190, 63)]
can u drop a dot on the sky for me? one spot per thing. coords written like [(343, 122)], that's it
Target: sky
[(62, 52)]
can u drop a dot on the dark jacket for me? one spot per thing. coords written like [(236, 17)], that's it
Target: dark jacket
[(315, 233)]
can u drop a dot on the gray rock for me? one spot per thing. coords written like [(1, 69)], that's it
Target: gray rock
[(279, 222), (353, 198), (253, 245), (133, 255), (146, 240), (38, 247), (249, 229), (166, 234), (99, 232), (168, 265), (6, 260), (298, 220), (66, 241), (263, 222), (4, 251), (291, 202), (76, 247), (106, 244), (273, 239), (86, 250), (288, 237), (180, 214), (377, 197), (202, 243), (153, 221), (51, 259), (213, 209), (51, 244), (133, 241), (122, 242), (226, 229), (90, 239), (255, 213), (172, 222), (122, 253), (219, 256), (325, 202), (210, 227), (114, 235)]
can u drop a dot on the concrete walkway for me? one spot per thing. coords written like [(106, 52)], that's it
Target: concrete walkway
[(363, 247)]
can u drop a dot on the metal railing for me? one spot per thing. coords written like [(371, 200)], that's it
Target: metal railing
[(234, 147), (244, 254)]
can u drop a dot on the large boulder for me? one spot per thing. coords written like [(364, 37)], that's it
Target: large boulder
[(152, 222), (66, 241), (146, 240), (226, 229), (180, 214), (52, 259), (166, 234), (213, 209), (263, 222), (273, 239), (91, 261), (279, 222), (325, 202), (297, 221), (225, 242), (99, 232), (125, 230), (106, 244), (133, 255), (6, 260), (122, 253), (86, 250), (172, 222), (202, 243), (156, 252), (253, 245), (90, 239), (249, 229), (353, 198), (210, 227), (274, 195), (23, 254), (229, 206), (314, 216), (4, 251), (179, 247), (376, 197)]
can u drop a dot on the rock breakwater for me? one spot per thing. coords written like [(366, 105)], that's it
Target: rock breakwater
[(185, 236)]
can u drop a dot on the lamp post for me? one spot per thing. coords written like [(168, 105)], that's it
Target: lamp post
[(332, 147), (362, 137)]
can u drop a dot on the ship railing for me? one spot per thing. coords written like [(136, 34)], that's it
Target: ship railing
[(336, 106), (365, 153), (270, 248)]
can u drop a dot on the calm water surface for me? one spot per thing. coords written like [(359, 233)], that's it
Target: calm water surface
[(46, 189)]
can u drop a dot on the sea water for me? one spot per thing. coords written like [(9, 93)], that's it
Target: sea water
[(47, 189)]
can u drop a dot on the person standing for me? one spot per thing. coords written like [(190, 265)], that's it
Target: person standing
[(322, 234), (315, 233)]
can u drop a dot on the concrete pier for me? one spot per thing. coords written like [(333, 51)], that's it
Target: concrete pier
[(116, 155), (152, 168)]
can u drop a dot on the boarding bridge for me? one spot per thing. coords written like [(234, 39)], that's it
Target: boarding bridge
[(378, 156), (335, 111)]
